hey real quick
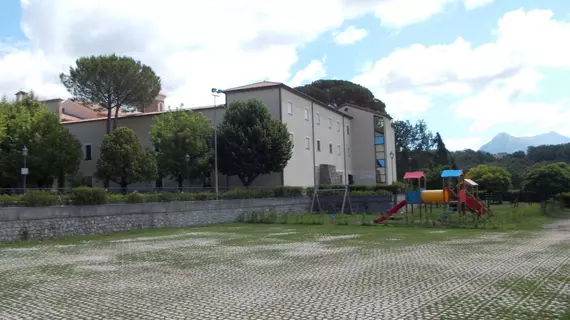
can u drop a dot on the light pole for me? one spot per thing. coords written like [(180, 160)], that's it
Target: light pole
[(187, 158), (25, 168), (410, 164), (392, 164), (215, 94)]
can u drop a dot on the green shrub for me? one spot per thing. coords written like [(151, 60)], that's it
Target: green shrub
[(7, 200), (201, 196), (115, 198), (391, 188), (287, 191), (370, 193), (134, 197), (247, 193), (360, 187), (88, 195), (35, 198)]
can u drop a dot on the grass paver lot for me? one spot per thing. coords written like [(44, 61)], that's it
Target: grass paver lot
[(256, 271)]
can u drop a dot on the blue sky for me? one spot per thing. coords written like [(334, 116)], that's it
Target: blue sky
[(470, 68)]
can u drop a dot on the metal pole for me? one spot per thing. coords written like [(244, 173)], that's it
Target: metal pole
[(25, 175), (216, 152)]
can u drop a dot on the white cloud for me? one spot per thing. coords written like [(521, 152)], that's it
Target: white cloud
[(350, 35), (193, 45), (490, 79), (313, 71), (455, 144), (473, 4)]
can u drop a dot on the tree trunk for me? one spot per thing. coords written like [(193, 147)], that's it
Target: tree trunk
[(124, 185), (180, 181), (116, 116), (109, 114)]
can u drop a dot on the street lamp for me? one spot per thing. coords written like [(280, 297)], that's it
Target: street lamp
[(392, 165), (410, 163), (25, 168), (187, 158), (215, 94)]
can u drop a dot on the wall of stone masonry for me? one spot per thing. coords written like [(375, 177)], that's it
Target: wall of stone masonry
[(26, 223)]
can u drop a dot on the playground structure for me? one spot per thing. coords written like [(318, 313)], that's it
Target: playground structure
[(458, 195)]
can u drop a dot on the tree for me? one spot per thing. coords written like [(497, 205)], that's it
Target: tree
[(339, 92), (176, 135), (123, 160), (53, 152), (251, 142), (113, 82), (491, 178), (548, 179), (441, 153)]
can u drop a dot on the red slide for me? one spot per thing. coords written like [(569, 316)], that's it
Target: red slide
[(391, 211)]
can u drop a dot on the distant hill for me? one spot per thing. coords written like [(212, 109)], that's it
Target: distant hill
[(505, 143)]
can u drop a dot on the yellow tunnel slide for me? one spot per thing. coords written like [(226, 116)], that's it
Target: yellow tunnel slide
[(431, 196)]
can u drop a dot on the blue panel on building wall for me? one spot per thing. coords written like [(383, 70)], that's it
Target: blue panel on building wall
[(378, 140), (413, 197), (381, 163)]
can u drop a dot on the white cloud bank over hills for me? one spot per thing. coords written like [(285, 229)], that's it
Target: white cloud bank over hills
[(489, 81)]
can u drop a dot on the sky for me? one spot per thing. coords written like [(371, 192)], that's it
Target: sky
[(470, 68)]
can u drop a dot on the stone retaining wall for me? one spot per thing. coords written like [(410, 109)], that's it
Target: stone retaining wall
[(25, 223)]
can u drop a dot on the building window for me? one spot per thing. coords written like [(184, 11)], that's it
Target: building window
[(348, 151), (63, 110), (330, 123), (307, 143), (330, 148), (88, 152), (319, 145), (318, 118), (338, 126), (378, 140), (338, 149), (378, 126), (307, 114), (292, 138), (348, 130), (289, 107)]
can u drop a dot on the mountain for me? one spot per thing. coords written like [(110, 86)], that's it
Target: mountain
[(505, 143)]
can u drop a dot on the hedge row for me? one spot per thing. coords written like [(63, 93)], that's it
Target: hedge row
[(89, 196)]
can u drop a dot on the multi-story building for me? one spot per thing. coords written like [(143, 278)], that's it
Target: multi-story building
[(355, 142)]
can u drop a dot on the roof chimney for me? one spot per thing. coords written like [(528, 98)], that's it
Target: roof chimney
[(20, 95)]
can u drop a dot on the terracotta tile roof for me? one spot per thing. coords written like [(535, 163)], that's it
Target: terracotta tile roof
[(262, 84)]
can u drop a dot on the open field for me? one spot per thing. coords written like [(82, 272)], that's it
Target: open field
[(257, 271)]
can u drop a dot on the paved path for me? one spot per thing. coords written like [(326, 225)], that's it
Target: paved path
[(213, 276)]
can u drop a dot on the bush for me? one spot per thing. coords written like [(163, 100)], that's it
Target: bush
[(288, 191), (371, 193), (199, 196), (35, 198), (7, 200), (564, 198), (247, 193), (115, 198), (88, 196), (134, 197)]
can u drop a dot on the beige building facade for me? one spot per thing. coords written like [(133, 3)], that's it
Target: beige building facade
[(358, 142)]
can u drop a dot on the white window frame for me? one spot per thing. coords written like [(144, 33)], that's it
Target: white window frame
[(331, 147), (290, 108), (307, 142), (338, 149), (85, 152), (338, 126), (330, 123), (292, 137), (318, 145), (307, 114), (318, 118)]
